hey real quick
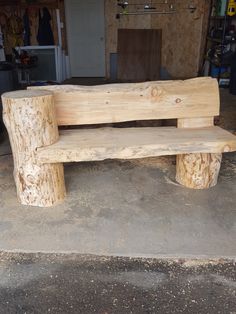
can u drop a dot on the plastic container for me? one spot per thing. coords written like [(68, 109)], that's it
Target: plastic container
[(215, 71), (223, 7)]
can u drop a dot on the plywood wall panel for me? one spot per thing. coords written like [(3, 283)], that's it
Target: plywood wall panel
[(205, 22), (181, 43), (183, 35), (113, 24)]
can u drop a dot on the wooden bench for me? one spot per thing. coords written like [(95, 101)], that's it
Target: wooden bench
[(32, 118)]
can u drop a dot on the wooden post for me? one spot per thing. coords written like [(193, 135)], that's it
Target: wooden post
[(197, 171), (30, 120)]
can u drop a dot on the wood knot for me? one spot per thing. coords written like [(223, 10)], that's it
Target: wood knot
[(178, 100), (227, 149), (156, 94)]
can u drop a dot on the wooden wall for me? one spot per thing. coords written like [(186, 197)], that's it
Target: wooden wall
[(183, 35)]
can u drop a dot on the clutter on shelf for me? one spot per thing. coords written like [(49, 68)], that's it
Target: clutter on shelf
[(221, 41), (32, 37)]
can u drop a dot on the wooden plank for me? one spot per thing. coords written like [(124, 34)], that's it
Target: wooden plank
[(112, 103), (128, 143), (195, 122), (139, 54)]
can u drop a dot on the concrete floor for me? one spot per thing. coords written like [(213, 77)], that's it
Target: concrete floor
[(129, 208), (40, 284)]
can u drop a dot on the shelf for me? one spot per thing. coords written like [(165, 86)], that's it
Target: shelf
[(222, 17), (218, 40), (213, 42), (216, 64)]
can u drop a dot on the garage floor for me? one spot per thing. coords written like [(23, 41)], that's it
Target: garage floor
[(129, 208)]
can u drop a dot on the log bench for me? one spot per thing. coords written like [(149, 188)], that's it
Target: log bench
[(39, 149)]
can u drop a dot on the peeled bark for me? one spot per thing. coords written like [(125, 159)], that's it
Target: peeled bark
[(111, 103), (30, 120), (198, 171)]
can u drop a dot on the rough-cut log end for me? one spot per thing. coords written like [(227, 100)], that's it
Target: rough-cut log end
[(30, 119), (40, 185), (198, 171)]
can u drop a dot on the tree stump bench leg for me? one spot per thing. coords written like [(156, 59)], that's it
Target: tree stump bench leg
[(198, 171), (30, 120)]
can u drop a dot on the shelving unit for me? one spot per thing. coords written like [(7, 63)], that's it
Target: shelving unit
[(219, 44)]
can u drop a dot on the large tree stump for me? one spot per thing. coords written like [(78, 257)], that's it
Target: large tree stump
[(30, 120), (197, 171)]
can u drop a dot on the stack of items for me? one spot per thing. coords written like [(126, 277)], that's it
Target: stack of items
[(221, 41)]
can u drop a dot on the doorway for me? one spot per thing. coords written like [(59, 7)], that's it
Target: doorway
[(85, 22)]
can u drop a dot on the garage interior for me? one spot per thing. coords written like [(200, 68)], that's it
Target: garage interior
[(126, 226)]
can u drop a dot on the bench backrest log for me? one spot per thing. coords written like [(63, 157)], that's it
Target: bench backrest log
[(194, 98)]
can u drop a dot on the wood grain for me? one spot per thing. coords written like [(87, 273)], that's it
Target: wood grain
[(30, 120), (198, 171), (112, 103), (126, 143), (195, 122), (201, 170)]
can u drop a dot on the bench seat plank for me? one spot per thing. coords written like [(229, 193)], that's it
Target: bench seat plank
[(128, 143)]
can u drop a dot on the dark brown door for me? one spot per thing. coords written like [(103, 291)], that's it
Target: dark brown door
[(139, 54)]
